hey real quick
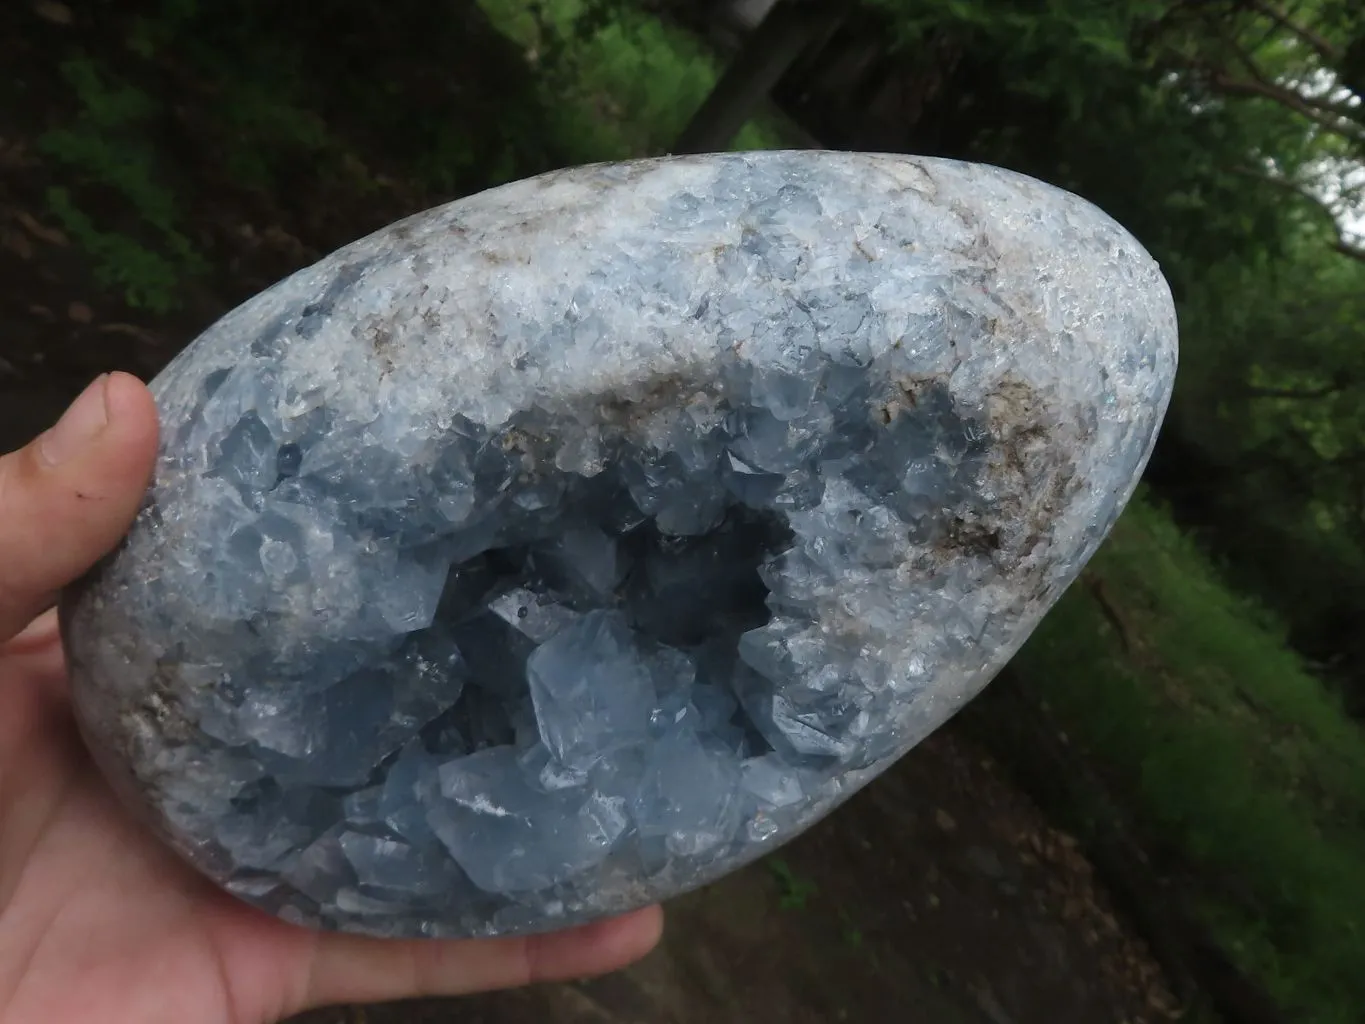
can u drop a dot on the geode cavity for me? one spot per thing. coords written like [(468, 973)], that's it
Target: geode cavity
[(566, 547)]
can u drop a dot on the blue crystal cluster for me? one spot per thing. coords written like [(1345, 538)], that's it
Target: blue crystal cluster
[(567, 547)]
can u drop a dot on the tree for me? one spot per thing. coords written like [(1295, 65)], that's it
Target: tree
[(768, 51), (1303, 59)]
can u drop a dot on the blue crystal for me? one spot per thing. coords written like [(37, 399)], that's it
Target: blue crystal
[(380, 862), (512, 837), (567, 547), (582, 720), (689, 793), (400, 804), (580, 562)]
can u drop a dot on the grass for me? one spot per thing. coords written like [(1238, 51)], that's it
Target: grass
[(794, 890), (1226, 750), (116, 196), (105, 148), (626, 89)]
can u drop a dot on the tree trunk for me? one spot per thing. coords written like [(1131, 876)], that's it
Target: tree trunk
[(766, 54)]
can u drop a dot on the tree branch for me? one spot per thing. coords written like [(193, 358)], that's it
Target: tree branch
[(1342, 245), (1327, 115), (1324, 49), (1337, 116), (1348, 248)]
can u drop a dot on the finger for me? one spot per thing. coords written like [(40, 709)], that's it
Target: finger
[(36, 657), (349, 969), (38, 635), (67, 498)]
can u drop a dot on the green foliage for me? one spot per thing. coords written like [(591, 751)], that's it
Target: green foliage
[(1228, 750), (624, 84), (146, 279), (1269, 412), (794, 890), (1050, 26), (104, 149), (271, 123), (296, 132)]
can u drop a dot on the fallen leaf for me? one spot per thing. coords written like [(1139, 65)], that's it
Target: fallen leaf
[(44, 234), (50, 10), (80, 312), (130, 330)]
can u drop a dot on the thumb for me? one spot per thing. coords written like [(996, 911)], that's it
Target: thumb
[(69, 496)]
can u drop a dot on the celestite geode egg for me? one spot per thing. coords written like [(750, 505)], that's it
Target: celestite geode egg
[(571, 545)]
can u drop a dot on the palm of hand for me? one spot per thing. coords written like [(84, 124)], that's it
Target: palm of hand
[(98, 922), (101, 923)]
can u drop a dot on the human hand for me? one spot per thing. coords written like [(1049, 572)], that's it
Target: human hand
[(98, 921)]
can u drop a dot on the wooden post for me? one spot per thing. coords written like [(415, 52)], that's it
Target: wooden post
[(764, 57)]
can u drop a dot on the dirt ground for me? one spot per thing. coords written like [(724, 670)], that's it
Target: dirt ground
[(940, 894), (937, 896)]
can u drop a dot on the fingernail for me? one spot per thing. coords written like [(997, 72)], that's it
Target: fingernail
[(79, 425)]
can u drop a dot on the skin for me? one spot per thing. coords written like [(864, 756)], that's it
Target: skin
[(98, 922)]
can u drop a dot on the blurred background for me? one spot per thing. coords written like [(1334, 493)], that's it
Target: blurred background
[(1158, 811)]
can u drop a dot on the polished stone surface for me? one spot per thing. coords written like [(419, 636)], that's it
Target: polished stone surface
[(571, 545)]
